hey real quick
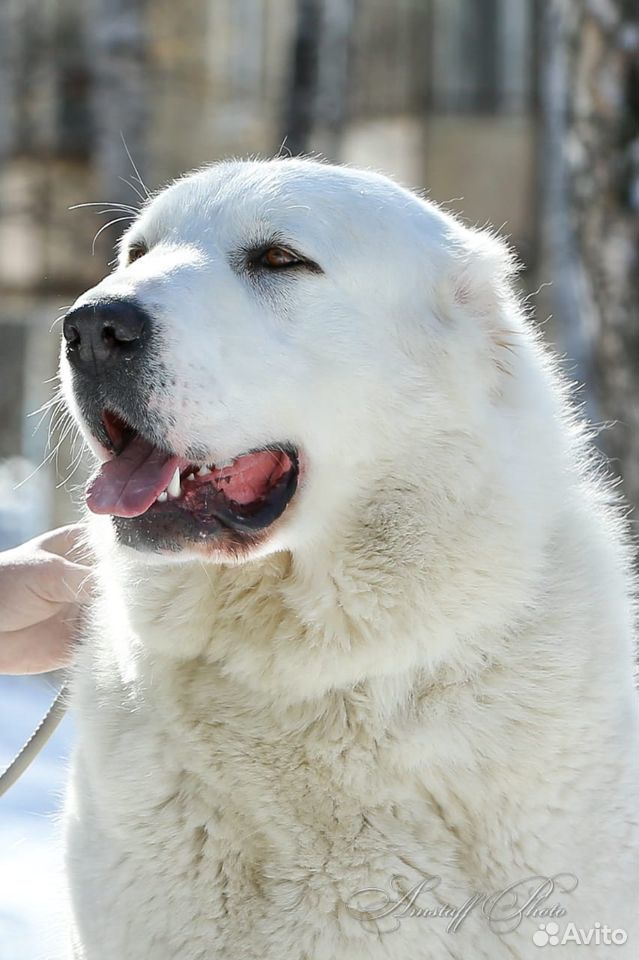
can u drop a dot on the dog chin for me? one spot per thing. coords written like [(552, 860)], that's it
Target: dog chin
[(165, 537)]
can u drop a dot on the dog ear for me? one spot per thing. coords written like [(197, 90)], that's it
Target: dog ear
[(479, 286)]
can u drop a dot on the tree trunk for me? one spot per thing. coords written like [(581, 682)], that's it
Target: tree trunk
[(590, 103), (118, 41), (317, 105)]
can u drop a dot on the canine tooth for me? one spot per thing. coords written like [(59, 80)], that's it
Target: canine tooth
[(163, 496), (173, 488)]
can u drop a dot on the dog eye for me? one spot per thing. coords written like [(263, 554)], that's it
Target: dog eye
[(276, 258), (270, 259), (136, 251)]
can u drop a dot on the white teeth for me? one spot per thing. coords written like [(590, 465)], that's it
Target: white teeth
[(204, 471), (163, 496), (173, 488)]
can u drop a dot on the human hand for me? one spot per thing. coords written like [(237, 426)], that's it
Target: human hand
[(41, 592)]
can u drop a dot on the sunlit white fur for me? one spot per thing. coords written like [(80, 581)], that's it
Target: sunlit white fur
[(425, 672)]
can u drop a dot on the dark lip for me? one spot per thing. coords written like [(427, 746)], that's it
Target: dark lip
[(115, 433), (131, 421)]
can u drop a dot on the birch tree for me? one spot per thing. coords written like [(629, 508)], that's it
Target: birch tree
[(590, 107), (117, 33), (317, 101)]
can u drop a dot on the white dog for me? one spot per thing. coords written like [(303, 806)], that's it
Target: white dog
[(359, 679)]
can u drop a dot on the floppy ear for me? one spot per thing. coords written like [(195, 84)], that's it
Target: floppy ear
[(478, 285)]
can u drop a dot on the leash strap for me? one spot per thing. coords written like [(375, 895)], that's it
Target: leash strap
[(25, 757)]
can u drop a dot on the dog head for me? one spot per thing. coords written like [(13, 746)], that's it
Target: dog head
[(277, 340)]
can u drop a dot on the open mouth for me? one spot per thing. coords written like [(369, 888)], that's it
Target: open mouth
[(162, 499)]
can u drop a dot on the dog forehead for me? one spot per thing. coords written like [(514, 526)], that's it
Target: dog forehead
[(236, 198)]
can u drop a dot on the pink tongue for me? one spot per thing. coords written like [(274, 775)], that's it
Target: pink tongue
[(127, 485)]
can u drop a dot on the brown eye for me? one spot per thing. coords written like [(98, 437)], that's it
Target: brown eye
[(136, 251), (277, 257)]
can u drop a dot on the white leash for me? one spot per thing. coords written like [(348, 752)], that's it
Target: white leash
[(25, 757)]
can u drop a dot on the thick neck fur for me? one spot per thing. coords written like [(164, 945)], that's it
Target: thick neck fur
[(288, 629), (253, 659), (298, 627)]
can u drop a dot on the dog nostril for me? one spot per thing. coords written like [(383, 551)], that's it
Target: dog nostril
[(71, 335), (124, 332)]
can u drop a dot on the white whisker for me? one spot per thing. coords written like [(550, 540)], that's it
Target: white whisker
[(137, 172), (106, 227), (133, 187), (107, 204)]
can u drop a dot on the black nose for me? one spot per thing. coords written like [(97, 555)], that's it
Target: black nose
[(104, 333)]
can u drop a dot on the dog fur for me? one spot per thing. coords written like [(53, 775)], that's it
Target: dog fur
[(422, 678)]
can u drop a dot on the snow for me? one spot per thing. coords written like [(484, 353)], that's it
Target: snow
[(31, 884)]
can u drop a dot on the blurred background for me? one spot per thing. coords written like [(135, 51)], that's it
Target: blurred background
[(523, 114)]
